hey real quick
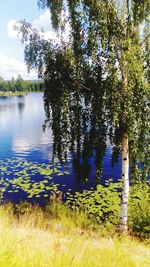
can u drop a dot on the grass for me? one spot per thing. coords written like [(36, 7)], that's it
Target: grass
[(41, 239), (17, 93)]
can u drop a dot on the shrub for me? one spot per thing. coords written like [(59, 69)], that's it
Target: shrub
[(103, 206), (139, 209)]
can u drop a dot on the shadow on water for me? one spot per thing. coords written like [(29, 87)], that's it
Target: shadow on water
[(74, 139), (21, 105), (79, 128)]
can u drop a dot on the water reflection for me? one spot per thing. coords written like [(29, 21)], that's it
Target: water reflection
[(21, 131), (21, 104), (79, 132), (69, 139)]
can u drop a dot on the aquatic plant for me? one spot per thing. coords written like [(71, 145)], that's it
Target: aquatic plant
[(30, 178)]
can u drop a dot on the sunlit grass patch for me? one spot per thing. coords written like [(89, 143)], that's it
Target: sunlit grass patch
[(36, 239)]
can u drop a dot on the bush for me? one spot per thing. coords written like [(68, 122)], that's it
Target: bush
[(139, 209), (103, 206)]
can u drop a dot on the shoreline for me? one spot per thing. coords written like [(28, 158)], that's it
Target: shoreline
[(7, 94)]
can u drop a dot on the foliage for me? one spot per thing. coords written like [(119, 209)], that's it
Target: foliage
[(139, 209), (103, 206), (20, 85), (97, 78), (91, 209), (96, 84)]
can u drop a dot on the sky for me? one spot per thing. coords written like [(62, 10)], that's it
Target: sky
[(11, 50)]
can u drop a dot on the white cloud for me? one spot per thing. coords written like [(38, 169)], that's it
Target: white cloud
[(43, 25), (12, 67), (28, 143), (43, 22), (51, 35), (12, 33)]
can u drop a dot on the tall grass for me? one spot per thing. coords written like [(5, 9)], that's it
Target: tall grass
[(40, 239)]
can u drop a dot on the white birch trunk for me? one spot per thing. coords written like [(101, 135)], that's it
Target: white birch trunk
[(125, 187)]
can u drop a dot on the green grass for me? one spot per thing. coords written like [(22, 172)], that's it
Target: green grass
[(2, 93), (52, 238)]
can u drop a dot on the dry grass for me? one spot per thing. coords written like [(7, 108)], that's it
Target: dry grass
[(34, 240)]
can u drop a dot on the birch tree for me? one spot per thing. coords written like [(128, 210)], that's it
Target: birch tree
[(106, 53)]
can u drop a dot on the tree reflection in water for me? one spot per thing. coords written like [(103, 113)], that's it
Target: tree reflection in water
[(78, 124)]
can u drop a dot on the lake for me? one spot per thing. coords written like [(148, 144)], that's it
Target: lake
[(22, 139)]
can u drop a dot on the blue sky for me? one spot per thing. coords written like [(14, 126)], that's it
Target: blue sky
[(11, 50)]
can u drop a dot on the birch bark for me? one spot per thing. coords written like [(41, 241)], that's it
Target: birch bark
[(125, 187)]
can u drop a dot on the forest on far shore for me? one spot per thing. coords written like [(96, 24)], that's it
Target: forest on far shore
[(20, 85)]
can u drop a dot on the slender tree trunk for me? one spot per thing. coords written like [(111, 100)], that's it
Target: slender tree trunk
[(125, 181)]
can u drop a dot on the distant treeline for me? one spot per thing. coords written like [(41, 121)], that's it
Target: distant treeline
[(20, 85)]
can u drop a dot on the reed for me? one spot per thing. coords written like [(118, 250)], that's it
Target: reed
[(38, 238)]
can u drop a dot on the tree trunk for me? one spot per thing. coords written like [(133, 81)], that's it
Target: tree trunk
[(125, 181)]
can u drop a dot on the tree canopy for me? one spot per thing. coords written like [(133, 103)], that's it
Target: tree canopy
[(104, 60), (96, 80)]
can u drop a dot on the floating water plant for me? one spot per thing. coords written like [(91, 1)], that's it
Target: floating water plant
[(33, 179)]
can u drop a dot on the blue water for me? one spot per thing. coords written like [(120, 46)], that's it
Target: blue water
[(22, 136)]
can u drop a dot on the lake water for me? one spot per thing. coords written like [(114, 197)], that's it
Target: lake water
[(22, 137)]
